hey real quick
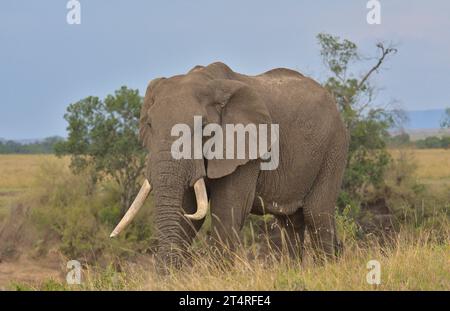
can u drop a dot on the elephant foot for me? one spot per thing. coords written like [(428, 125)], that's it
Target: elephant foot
[(284, 240)]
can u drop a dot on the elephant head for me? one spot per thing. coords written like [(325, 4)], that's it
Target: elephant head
[(213, 93)]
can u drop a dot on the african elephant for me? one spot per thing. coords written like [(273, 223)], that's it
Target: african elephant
[(301, 191)]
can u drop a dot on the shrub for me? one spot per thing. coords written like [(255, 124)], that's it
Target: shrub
[(66, 210)]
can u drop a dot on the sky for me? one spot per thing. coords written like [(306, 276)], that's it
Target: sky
[(46, 63)]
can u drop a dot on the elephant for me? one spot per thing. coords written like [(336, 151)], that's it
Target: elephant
[(301, 192)]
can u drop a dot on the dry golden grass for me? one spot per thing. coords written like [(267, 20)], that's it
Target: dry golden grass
[(408, 266), (432, 165), (17, 172), (415, 261), (18, 175)]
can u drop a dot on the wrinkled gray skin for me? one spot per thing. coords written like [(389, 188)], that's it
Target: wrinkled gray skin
[(301, 192)]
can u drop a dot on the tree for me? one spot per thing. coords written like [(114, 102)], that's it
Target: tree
[(445, 142), (103, 137), (44, 146), (433, 142), (446, 120), (399, 140), (367, 124)]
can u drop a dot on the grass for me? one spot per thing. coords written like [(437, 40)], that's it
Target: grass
[(418, 259), (408, 265), (17, 176), (18, 171), (415, 261), (433, 165)]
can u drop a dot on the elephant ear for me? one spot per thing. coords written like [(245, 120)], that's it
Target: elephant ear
[(232, 103), (148, 102)]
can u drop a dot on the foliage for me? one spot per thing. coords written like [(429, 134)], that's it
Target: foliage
[(46, 146), (367, 124), (430, 142), (434, 142), (346, 225), (399, 140), (103, 139), (79, 221), (446, 120)]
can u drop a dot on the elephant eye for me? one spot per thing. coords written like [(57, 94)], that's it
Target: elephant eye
[(149, 124)]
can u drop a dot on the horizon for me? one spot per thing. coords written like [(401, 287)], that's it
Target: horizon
[(407, 127), (48, 64)]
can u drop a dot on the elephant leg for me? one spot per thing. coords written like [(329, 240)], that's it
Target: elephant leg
[(288, 233), (232, 197), (319, 208)]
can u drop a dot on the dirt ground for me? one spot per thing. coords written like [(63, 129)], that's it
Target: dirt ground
[(30, 271)]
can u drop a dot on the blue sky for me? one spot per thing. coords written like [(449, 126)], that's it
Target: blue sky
[(46, 64)]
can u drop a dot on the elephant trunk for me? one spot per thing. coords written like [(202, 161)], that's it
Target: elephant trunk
[(169, 180), (170, 183)]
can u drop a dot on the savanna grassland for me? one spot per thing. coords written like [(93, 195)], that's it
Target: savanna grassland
[(17, 176), (61, 218), (432, 165)]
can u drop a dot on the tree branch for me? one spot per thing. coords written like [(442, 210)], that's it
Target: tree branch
[(384, 52)]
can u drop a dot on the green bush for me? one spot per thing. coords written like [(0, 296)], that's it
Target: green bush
[(81, 219), (400, 140), (346, 225), (434, 142)]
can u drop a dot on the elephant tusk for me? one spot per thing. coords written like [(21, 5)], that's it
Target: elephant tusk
[(134, 208), (202, 201)]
